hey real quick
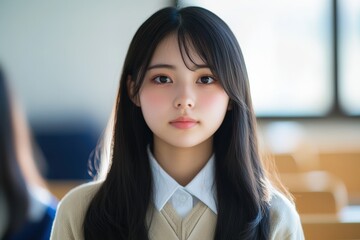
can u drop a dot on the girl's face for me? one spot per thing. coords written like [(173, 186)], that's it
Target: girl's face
[(182, 107)]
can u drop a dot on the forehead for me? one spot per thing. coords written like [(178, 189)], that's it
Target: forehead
[(169, 51)]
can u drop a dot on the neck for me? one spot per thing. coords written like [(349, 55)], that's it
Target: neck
[(182, 164)]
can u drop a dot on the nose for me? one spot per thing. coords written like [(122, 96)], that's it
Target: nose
[(184, 100), (184, 103)]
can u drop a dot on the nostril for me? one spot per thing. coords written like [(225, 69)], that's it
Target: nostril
[(184, 104)]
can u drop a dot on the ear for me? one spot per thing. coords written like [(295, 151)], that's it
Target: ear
[(130, 87)]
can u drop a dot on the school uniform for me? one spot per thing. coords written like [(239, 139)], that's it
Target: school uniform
[(42, 208), (177, 212)]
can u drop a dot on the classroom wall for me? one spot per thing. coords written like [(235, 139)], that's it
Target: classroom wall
[(64, 58)]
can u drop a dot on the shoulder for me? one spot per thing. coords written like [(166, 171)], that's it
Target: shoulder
[(284, 220), (42, 207), (76, 201), (80, 196), (42, 204), (72, 210)]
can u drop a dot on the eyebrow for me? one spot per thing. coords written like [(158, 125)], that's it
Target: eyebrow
[(161, 65)]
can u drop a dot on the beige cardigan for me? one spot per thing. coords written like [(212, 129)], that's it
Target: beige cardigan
[(167, 225)]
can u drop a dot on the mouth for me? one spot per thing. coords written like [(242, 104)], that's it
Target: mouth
[(184, 123)]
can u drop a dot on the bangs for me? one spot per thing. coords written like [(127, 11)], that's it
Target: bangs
[(202, 36), (205, 34), (193, 45)]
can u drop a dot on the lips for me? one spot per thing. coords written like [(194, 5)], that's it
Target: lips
[(183, 123)]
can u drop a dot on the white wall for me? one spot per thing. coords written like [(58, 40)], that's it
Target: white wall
[(64, 58)]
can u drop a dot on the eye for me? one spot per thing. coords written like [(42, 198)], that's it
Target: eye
[(205, 80), (162, 80)]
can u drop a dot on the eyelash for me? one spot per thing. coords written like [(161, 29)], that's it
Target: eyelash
[(213, 80), (156, 80)]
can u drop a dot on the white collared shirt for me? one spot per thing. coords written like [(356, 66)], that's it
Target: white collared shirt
[(183, 199)]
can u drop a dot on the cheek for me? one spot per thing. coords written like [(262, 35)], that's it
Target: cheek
[(150, 98), (152, 101), (214, 101)]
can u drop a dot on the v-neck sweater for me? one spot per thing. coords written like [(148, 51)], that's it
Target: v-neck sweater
[(166, 225)]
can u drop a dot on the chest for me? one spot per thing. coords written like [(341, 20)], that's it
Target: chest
[(168, 225)]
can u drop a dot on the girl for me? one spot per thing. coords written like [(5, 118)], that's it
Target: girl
[(27, 209), (184, 160)]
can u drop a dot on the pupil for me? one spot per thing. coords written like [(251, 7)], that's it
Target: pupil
[(163, 79), (205, 79)]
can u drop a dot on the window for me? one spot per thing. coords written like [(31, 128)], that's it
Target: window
[(289, 53), (349, 55)]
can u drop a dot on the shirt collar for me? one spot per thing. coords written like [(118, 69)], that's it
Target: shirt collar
[(201, 187)]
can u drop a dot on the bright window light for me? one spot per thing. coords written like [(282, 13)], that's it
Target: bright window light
[(349, 55), (287, 47)]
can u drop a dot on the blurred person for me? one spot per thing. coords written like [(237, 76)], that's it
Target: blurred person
[(27, 208)]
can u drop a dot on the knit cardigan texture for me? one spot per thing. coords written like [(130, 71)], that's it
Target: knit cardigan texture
[(167, 225)]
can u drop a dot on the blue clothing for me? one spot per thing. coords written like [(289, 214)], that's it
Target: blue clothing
[(39, 230)]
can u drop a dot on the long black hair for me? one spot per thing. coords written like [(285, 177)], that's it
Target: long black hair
[(119, 208), (12, 182)]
